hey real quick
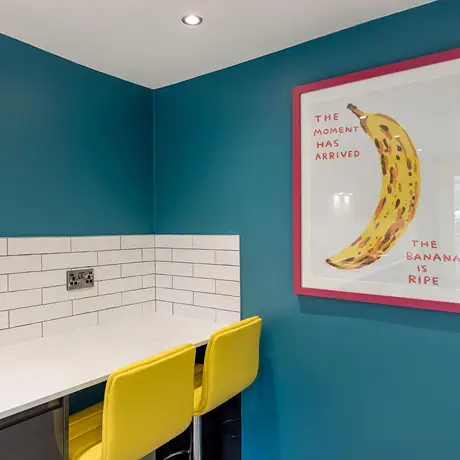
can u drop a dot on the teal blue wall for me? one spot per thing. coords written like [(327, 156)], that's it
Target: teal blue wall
[(75, 148), (339, 380)]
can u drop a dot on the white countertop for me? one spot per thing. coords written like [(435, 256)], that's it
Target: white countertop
[(38, 371)]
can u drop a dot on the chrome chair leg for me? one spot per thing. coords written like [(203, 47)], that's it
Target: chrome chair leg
[(196, 438)]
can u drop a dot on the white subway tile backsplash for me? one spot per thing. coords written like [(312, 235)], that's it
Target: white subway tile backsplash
[(3, 246), (228, 257), (190, 311), (69, 260), (20, 334), (173, 268), (40, 313), (20, 299), (174, 295), (120, 257), (140, 268), (148, 281), (228, 242), (164, 281), (142, 295), (100, 302), (192, 276), (64, 325), (61, 294), (220, 302), (194, 255), (20, 264), (137, 241), (219, 272), (164, 308), (119, 285), (148, 255), (173, 241), (4, 320), (149, 308), (25, 246), (34, 280), (120, 314), (107, 272), (194, 284), (228, 288), (95, 243), (227, 317), (163, 255)]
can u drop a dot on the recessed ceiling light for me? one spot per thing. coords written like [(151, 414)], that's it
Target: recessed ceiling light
[(192, 20)]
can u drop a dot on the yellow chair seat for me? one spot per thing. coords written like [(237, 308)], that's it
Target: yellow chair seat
[(95, 453), (85, 421), (83, 447), (231, 364), (146, 404)]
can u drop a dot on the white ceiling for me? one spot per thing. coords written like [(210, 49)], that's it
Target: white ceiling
[(144, 41)]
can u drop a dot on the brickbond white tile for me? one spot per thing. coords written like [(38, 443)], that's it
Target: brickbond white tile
[(107, 272), (163, 255), (172, 268), (164, 281), (136, 269), (139, 296), (148, 255), (220, 272), (194, 284), (25, 246), (174, 295), (34, 280), (148, 281), (95, 243), (119, 285), (173, 241), (40, 313), (20, 264), (228, 288), (226, 242), (228, 257), (119, 257), (4, 320), (96, 303), (194, 255), (3, 246), (69, 260), (137, 241), (3, 283), (61, 294), (20, 299), (219, 302)]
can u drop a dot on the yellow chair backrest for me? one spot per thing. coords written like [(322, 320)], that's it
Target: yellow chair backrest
[(231, 363), (147, 404)]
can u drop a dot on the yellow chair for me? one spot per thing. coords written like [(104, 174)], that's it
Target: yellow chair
[(231, 365), (146, 404)]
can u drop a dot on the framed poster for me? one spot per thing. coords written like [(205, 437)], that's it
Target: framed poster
[(377, 185)]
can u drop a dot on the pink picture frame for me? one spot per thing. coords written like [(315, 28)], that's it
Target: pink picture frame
[(297, 184)]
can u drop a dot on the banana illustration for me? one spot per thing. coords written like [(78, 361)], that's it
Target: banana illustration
[(398, 197)]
